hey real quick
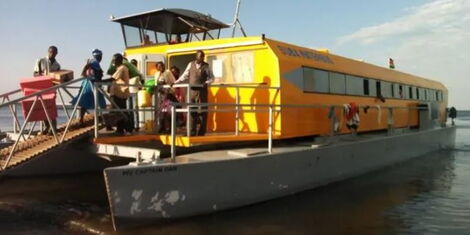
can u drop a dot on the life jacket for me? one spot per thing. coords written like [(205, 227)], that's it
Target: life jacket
[(352, 110)]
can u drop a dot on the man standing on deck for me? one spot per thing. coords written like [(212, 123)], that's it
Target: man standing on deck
[(43, 67), (120, 93), (199, 75)]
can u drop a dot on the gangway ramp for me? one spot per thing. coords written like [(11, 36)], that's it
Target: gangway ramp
[(37, 146)]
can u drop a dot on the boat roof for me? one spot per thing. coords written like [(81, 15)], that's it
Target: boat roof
[(172, 21)]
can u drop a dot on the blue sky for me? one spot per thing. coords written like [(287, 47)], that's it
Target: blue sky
[(369, 30)]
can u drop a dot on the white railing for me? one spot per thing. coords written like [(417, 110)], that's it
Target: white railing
[(7, 101), (237, 107)]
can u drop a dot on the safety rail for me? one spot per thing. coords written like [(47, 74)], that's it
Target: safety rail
[(38, 98), (98, 112), (237, 108), (276, 108)]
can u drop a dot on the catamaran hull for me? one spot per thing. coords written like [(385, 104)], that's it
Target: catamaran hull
[(143, 194)]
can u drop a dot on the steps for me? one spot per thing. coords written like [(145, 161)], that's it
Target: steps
[(37, 145)]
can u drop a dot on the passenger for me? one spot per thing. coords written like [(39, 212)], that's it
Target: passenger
[(137, 82), (199, 75), (47, 64), (453, 114), (93, 71), (147, 40), (180, 94), (177, 40), (134, 62), (120, 93), (133, 72), (43, 67), (166, 96)]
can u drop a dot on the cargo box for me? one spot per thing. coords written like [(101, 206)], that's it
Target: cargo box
[(36, 83), (61, 76), (38, 113)]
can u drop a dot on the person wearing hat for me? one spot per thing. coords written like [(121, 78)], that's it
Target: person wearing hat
[(93, 71), (95, 65)]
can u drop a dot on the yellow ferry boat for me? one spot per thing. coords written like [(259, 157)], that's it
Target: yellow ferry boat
[(297, 99), (281, 119)]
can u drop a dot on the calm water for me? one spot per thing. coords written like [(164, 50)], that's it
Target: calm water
[(427, 195)]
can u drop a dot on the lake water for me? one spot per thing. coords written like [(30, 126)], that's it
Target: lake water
[(427, 195)]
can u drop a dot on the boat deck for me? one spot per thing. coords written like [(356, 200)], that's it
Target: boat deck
[(181, 141), (236, 150)]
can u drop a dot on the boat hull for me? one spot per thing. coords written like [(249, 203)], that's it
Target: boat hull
[(143, 194)]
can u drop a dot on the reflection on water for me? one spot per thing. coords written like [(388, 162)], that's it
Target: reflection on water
[(427, 195)]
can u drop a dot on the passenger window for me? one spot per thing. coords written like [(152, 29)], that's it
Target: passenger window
[(372, 87), (232, 67), (337, 83), (397, 91), (316, 80), (366, 87), (386, 89), (354, 85), (378, 88)]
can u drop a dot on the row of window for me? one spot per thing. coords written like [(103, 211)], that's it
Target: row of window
[(316, 80)]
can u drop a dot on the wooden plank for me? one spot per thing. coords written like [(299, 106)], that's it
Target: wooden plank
[(40, 144)]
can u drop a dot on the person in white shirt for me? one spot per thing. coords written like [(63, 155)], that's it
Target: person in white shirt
[(47, 64), (43, 67), (199, 74)]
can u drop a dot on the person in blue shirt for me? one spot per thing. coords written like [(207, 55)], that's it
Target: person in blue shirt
[(93, 71)]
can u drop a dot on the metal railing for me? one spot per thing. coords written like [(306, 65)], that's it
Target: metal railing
[(237, 108), (38, 99), (187, 87), (271, 109)]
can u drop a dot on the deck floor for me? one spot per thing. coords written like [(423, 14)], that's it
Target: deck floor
[(106, 137)]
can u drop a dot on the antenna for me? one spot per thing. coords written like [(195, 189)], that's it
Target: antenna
[(236, 20)]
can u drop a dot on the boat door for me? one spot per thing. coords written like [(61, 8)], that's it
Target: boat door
[(146, 63), (150, 64)]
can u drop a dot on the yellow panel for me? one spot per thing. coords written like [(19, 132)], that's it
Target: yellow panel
[(151, 68), (271, 61)]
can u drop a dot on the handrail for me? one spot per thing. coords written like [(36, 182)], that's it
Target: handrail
[(10, 93), (268, 107), (38, 99), (56, 87)]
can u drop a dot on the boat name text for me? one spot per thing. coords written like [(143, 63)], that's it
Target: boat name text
[(153, 170), (305, 54)]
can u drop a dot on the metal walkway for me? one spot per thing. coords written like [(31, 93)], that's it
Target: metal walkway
[(27, 145), (37, 145)]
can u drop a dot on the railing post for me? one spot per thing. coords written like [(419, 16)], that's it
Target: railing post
[(15, 120), (270, 130), (15, 145), (95, 111), (332, 117), (390, 121), (63, 103), (156, 113), (188, 114), (173, 132), (71, 116), (237, 114), (49, 120)]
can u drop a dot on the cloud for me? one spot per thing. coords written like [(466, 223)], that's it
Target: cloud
[(431, 40), (421, 20)]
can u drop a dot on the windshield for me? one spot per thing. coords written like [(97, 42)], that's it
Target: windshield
[(136, 37)]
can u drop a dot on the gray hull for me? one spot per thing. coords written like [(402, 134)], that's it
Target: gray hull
[(200, 185)]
